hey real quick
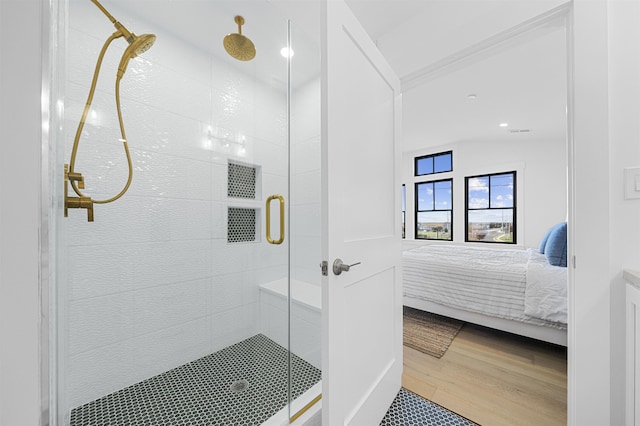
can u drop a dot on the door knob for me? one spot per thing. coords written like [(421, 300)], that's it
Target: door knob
[(340, 267)]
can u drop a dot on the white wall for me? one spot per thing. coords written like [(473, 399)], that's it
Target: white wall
[(624, 151), (153, 283), (590, 303), (541, 181), (20, 144)]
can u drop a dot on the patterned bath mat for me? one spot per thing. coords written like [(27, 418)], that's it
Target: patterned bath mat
[(429, 333), (409, 409)]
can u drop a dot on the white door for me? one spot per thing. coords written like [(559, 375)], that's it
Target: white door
[(362, 307)]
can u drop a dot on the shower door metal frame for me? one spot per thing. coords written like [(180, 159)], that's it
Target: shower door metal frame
[(53, 18)]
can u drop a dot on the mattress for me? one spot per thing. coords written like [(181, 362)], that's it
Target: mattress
[(488, 281)]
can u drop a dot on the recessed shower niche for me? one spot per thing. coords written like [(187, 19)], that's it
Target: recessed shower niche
[(242, 224), (243, 183), (243, 180)]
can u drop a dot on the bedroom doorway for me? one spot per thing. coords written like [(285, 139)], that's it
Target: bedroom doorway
[(521, 76)]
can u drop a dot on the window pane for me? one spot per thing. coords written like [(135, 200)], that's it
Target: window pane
[(502, 190), (434, 225), (478, 192), (424, 166), (442, 163), (443, 195), (425, 196), (490, 225)]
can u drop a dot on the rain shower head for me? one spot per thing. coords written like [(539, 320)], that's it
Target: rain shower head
[(239, 46)]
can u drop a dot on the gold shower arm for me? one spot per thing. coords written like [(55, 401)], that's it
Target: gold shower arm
[(101, 7), (121, 28), (240, 21)]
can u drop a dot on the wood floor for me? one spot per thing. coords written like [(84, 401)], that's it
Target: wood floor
[(493, 378)]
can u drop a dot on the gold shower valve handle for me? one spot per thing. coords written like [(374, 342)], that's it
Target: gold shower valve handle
[(76, 177), (76, 202), (81, 203)]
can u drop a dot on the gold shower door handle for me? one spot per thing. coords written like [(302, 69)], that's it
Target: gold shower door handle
[(268, 209)]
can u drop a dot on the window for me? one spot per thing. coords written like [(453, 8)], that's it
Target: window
[(435, 163), (404, 208), (491, 211), (434, 210)]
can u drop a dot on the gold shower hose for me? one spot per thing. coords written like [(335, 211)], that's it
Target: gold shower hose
[(76, 177)]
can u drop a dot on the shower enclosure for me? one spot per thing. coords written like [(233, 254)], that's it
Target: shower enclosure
[(195, 297)]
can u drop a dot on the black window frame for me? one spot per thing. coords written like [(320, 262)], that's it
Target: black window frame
[(417, 211), (404, 210), (433, 156), (514, 208)]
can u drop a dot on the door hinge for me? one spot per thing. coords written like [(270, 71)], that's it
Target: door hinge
[(325, 268)]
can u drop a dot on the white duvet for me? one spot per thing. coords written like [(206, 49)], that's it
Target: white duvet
[(507, 283), (545, 294)]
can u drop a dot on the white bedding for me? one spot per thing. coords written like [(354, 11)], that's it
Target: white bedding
[(505, 283), (545, 294)]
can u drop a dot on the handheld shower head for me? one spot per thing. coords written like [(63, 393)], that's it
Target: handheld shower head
[(137, 46), (141, 44)]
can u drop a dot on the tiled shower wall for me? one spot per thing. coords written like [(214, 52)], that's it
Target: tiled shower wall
[(153, 283)]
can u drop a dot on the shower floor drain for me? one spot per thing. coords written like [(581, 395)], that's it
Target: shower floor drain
[(239, 386)]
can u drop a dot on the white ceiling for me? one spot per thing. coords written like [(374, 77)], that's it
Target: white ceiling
[(522, 84), (379, 17)]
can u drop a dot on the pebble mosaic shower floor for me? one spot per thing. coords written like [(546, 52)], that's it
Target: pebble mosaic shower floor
[(209, 391)]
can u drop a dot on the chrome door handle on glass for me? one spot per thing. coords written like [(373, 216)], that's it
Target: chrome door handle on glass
[(340, 267)]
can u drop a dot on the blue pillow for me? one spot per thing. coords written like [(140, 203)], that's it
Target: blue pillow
[(543, 241), (556, 248)]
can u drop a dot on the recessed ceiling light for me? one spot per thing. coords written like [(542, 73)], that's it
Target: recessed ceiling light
[(472, 97), (286, 52), (504, 124)]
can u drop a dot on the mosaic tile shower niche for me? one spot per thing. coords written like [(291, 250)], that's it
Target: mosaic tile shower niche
[(165, 303)]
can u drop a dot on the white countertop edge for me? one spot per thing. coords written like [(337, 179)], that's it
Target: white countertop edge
[(632, 276)]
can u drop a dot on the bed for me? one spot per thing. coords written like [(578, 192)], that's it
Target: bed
[(514, 290)]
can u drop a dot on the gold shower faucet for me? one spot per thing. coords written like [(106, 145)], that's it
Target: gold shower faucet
[(76, 202)]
